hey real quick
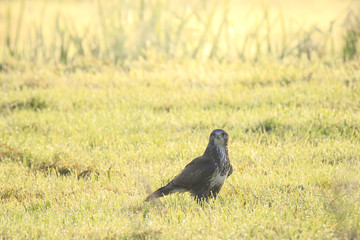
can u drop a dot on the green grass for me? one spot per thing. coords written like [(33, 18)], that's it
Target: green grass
[(102, 103), (80, 148)]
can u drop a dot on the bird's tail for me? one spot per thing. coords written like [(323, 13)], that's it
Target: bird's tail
[(163, 191)]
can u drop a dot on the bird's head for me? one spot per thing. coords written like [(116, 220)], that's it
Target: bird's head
[(219, 137)]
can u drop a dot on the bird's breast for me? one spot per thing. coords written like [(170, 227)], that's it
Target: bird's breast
[(218, 179), (223, 162)]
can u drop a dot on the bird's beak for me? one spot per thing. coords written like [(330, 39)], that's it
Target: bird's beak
[(217, 135)]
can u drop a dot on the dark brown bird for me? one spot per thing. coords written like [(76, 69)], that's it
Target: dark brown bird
[(204, 176)]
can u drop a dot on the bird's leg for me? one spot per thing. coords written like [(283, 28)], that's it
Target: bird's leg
[(201, 200), (213, 194), (202, 196), (215, 191)]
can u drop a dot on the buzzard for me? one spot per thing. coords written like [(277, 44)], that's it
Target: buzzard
[(204, 176)]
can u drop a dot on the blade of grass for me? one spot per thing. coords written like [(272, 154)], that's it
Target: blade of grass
[(205, 32), (19, 24), (8, 31)]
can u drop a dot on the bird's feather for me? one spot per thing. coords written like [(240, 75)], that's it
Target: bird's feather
[(230, 171), (197, 171)]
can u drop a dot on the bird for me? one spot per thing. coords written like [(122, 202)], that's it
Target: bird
[(204, 176)]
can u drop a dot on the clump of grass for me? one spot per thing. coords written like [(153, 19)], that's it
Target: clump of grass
[(266, 126), (351, 37), (143, 234), (9, 193), (34, 104), (9, 153), (62, 167)]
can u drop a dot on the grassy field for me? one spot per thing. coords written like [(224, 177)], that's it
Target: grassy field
[(85, 138), (81, 149)]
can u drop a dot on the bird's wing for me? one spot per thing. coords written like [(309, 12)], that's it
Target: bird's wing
[(230, 171), (195, 172)]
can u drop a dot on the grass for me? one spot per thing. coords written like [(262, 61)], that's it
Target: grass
[(81, 149), (102, 103), (73, 32)]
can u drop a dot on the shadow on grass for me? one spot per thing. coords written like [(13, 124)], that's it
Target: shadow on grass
[(8, 193), (314, 130), (33, 103), (59, 165), (146, 234)]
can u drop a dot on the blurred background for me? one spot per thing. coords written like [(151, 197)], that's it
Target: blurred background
[(86, 31)]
